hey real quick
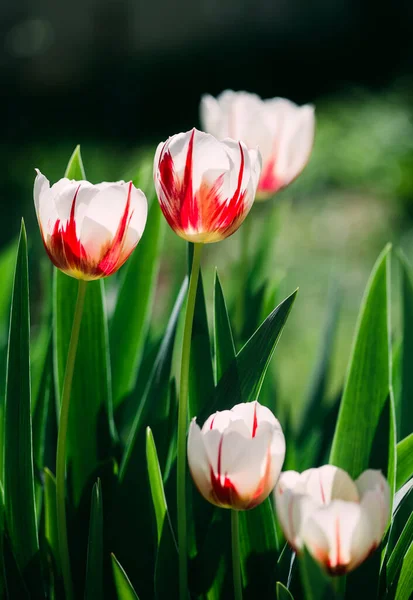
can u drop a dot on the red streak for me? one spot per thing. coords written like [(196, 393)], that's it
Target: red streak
[(255, 422), (269, 182), (223, 492)]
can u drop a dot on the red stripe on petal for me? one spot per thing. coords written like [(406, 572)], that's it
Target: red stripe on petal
[(63, 245), (255, 422), (269, 182), (110, 261), (189, 209)]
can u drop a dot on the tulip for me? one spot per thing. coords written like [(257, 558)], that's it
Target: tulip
[(236, 458), (340, 521), (89, 230), (283, 131), (205, 187)]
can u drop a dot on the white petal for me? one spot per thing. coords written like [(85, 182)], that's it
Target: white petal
[(219, 420), (198, 460), (375, 497), (210, 116), (328, 483), (288, 481), (43, 201), (156, 158), (249, 411), (338, 535), (244, 461), (293, 511)]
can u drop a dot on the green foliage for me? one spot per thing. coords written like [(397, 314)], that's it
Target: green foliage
[(18, 477), (367, 391), (121, 496)]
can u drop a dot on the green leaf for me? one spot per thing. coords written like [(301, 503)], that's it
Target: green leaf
[(91, 426), (201, 378), (243, 379), (403, 543), (259, 550), (404, 461), (75, 168), (367, 387), (166, 568), (223, 340), (50, 514), (405, 425), (19, 499), (283, 593), (40, 418), (124, 588), (316, 584), (158, 381), (130, 322), (94, 568), (405, 583), (156, 485)]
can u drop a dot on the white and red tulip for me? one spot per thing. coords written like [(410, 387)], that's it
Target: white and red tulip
[(283, 131), (205, 187), (237, 456), (89, 230), (340, 521)]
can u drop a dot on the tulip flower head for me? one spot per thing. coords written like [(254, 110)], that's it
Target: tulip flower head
[(205, 187), (237, 456), (340, 521), (89, 230), (283, 131)]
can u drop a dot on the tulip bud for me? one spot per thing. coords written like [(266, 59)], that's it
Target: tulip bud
[(237, 456), (283, 131), (340, 521), (205, 188), (89, 230)]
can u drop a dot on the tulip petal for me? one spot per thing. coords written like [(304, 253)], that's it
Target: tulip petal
[(198, 460), (375, 498), (338, 535), (328, 483), (253, 413)]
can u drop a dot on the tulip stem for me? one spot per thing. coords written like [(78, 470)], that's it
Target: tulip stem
[(183, 422), (61, 443), (236, 555)]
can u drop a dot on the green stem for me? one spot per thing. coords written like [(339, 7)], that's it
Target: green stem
[(183, 423), (61, 443), (236, 555)]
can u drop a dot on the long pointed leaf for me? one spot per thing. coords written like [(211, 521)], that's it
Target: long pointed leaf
[(94, 569), (243, 379), (404, 461), (405, 424), (19, 498), (223, 339), (201, 378), (368, 384), (124, 588)]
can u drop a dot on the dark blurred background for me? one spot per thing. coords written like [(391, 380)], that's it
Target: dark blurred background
[(120, 76)]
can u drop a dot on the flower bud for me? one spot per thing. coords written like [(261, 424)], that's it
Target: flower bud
[(237, 456), (205, 188), (340, 521), (89, 230), (283, 132)]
